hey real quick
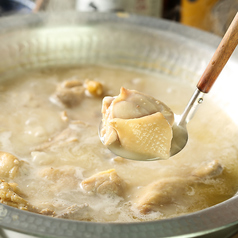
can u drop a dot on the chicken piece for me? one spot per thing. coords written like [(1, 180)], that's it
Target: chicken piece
[(106, 182), (170, 190), (211, 169), (149, 136), (77, 212), (63, 177), (94, 88), (69, 93), (64, 137), (55, 174), (161, 193), (9, 165), (72, 134), (140, 123), (11, 195), (132, 104)]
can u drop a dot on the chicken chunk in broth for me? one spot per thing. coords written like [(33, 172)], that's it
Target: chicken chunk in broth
[(174, 190), (52, 161)]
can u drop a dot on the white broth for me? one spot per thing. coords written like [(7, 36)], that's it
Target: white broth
[(63, 170)]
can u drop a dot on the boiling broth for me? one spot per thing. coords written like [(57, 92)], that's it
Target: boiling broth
[(60, 148)]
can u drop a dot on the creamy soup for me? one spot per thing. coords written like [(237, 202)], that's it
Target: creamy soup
[(52, 161)]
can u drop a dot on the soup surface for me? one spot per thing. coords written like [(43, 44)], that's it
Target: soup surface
[(53, 163)]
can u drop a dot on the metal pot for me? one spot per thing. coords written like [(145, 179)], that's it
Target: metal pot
[(140, 43)]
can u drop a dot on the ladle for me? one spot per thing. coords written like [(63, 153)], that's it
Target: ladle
[(212, 71)]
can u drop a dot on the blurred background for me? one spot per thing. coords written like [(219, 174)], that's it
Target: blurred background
[(209, 15)]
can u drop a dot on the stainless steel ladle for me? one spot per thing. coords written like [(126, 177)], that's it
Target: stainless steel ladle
[(212, 71)]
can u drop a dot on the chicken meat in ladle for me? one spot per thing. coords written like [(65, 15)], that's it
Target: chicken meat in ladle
[(136, 125)]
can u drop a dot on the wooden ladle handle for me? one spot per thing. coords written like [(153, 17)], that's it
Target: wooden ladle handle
[(220, 57)]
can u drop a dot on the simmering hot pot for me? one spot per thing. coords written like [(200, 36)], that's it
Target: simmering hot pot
[(140, 43)]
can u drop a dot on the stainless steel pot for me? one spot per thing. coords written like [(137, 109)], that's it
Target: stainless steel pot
[(140, 43)]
